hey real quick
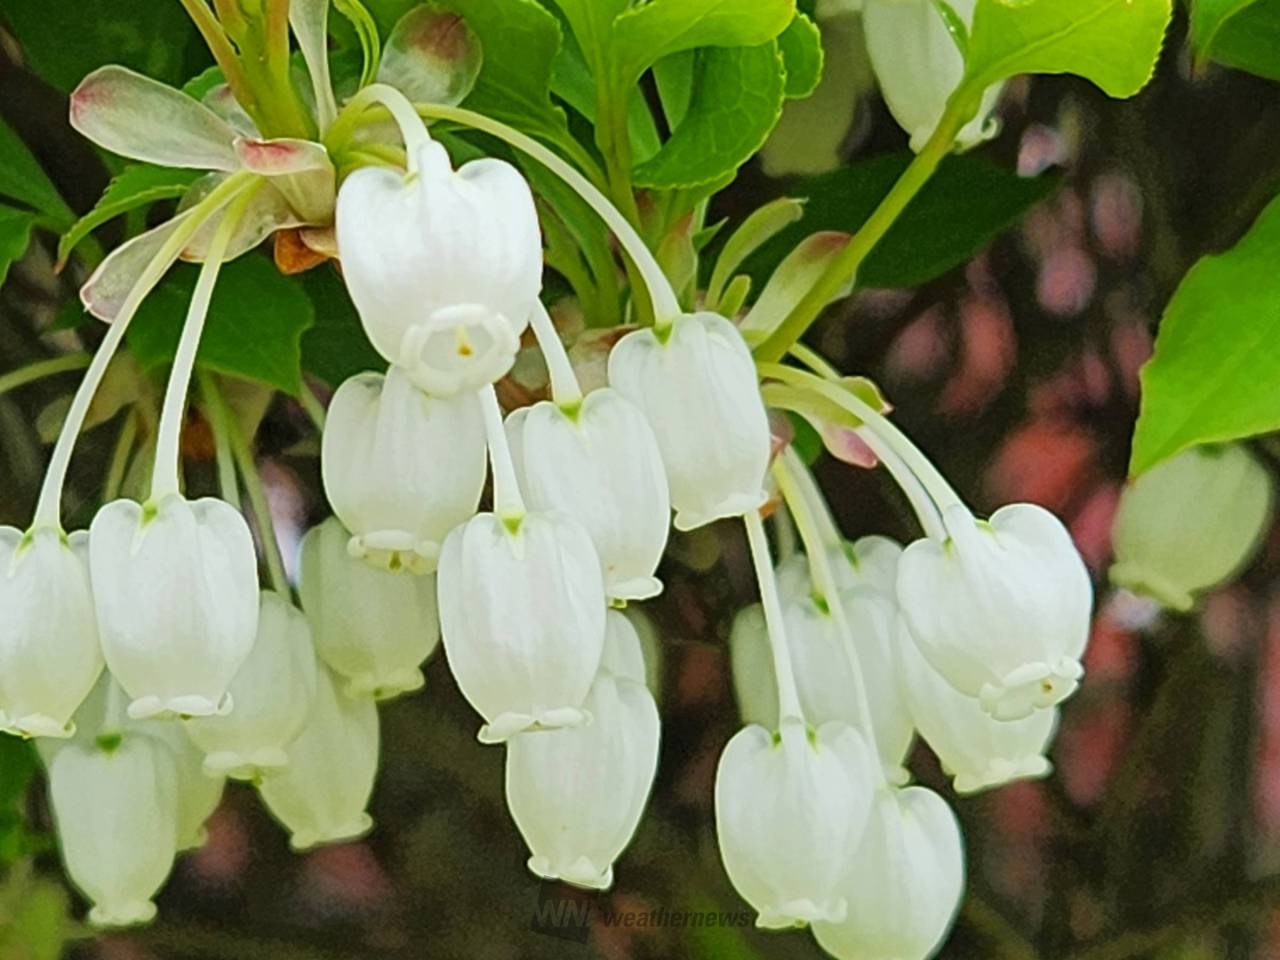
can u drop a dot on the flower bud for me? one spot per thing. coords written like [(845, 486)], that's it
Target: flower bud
[(176, 592), (443, 266), (1001, 610), (577, 794), (904, 883), (825, 679), (401, 468), (755, 685), (49, 652), (919, 66), (977, 750), (1191, 523), (699, 391), (321, 794), (374, 628), (790, 809), (600, 465), (522, 610), (115, 806), (272, 693)]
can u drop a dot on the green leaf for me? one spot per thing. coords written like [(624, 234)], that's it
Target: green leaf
[(975, 199), (646, 33), (15, 235), (335, 346), (23, 179), (738, 94), (138, 185), (1251, 40), (520, 40), (65, 41), (592, 24), (1215, 374), (572, 82), (1208, 17), (1114, 43), (761, 226), (801, 46), (253, 331)]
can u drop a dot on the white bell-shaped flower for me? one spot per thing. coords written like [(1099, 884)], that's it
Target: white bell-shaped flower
[(601, 465), (870, 562), (444, 266), (176, 592), (977, 750), (825, 678), (374, 628), (790, 809), (115, 805), (320, 796), (577, 794), (755, 685), (199, 790), (1002, 609), (904, 883), (699, 390), (623, 653), (522, 610), (50, 657), (1191, 523), (919, 66), (272, 692), (401, 468)]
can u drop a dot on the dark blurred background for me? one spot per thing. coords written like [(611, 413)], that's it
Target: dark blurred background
[(1017, 372)]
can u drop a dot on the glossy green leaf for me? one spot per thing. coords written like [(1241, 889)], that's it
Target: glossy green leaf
[(253, 331), (974, 198), (592, 24), (1251, 40), (572, 82), (648, 32), (520, 40), (801, 46), (138, 185), (737, 99), (15, 235), (22, 179), (1215, 374), (1114, 43), (66, 40), (335, 346), (1208, 17)]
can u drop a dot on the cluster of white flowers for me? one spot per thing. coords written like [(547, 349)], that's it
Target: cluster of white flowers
[(970, 636)]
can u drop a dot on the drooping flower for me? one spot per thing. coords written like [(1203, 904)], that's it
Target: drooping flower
[(918, 66), (903, 885), (977, 750), (115, 805), (374, 628), (791, 807), (698, 388), (624, 654), (444, 266), (1001, 609), (401, 468), (176, 593), (272, 692), (320, 796), (1191, 523), (600, 464), (522, 610), (50, 657), (577, 794)]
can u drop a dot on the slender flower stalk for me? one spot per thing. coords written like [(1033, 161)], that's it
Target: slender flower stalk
[(824, 581), (49, 508), (163, 480), (32, 372), (508, 504), (219, 422), (788, 696), (565, 389)]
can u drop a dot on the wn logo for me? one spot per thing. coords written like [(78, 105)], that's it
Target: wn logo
[(562, 913)]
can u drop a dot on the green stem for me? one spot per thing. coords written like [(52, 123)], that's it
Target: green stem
[(217, 415), (252, 479), (312, 406), (120, 457), (41, 369), (215, 37), (962, 108), (508, 504), (565, 389)]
